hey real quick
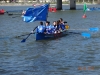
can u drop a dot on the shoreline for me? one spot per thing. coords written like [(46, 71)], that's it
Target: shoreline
[(30, 4)]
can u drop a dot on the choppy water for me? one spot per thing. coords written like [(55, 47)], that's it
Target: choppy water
[(69, 55)]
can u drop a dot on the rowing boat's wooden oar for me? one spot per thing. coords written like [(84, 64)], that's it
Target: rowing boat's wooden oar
[(14, 10), (84, 34), (13, 13), (16, 16), (88, 35), (28, 35), (94, 29), (26, 38), (23, 35)]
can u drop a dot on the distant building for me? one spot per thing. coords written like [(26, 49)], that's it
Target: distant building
[(51, 0), (27, 1), (31, 0)]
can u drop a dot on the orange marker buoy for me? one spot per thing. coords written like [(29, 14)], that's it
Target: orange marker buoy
[(84, 16)]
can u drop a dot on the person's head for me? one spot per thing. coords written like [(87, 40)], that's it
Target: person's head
[(47, 23), (58, 22), (41, 23), (54, 23), (61, 19)]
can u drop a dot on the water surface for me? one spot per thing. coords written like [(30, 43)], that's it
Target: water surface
[(69, 55)]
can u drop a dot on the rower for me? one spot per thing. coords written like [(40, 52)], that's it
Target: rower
[(58, 27), (41, 28), (54, 27), (23, 12), (49, 28), (61, 20), (62, 24)]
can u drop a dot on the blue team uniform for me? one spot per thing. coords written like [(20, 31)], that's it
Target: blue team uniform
[(40, 29), (49, 29), (62, 26)]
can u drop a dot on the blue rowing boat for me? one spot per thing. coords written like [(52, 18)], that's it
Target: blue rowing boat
[(40, 14), (42, 36)]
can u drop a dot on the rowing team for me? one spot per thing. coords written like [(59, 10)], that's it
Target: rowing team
[(57, 27)]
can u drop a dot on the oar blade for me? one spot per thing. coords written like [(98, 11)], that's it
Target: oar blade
[(86, 35), (94, 29), (26, 38), (29, 35), (23, 40)]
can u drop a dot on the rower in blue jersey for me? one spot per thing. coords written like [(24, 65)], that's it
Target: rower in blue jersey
[(41, 28), (62, 25), (49, 28), (58, 27), (54, 27)]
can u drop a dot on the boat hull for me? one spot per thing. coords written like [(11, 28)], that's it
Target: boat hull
[(42, 36)]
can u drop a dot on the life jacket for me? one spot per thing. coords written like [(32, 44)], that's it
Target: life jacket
[(40, 28)]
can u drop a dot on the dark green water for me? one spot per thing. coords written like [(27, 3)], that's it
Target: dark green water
[(69, 55)]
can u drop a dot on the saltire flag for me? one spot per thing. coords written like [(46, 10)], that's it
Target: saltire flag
[(36, 14), (84, 8)]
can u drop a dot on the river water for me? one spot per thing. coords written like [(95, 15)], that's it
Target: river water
[(69, 55)]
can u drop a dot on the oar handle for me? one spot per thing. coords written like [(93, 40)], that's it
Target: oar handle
[(16, 16), (28, 35)]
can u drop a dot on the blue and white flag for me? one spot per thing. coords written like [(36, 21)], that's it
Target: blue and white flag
[(36, 14)]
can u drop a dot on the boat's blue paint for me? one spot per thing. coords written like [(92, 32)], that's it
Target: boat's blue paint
[(42, 36)]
